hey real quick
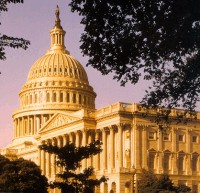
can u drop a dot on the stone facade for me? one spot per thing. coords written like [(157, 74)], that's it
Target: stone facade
[(57, 105)]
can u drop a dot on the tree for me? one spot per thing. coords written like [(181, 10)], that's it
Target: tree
[(155, 40), (69, 158), (21, 176), (7, 41), (150, 183)]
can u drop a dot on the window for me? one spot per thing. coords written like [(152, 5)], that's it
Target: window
[(181, 138), (68, 97), (181, 162), (166, 136), (151, 135), (61, 97), (80, 99), (35, 98), (84, 100), (74, 98), (194, 139), (166, 161), (151, 160), (48, 97), (54, 97), (30, 99), (194, 163)]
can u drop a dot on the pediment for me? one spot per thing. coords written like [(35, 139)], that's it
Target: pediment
[(58, 120)]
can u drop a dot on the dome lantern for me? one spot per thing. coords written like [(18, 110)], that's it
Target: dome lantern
[(57, 35)]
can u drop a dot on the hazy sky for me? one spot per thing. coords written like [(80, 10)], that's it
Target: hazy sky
[(33, 20)]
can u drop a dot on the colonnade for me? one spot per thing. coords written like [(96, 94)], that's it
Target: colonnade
[(111, 158), (57, 96), (172, 160), (29, 125)]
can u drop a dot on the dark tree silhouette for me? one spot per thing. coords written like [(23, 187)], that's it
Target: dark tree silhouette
[(21, 176), (7, 41), (156, 40), (151, 183), (69, 158)]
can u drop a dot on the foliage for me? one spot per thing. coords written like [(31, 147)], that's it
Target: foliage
[(7, 41), (21, 176), (155, 40), (69, 157), (150, 183)]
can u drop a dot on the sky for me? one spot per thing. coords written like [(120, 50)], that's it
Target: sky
[(33, 21)]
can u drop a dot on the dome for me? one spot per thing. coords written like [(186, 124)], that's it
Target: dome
[(56, 81), (57, 65)]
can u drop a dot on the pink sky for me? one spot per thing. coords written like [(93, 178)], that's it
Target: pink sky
[(33, 21)]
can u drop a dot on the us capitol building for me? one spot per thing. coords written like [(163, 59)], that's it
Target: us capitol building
[(57, 105)]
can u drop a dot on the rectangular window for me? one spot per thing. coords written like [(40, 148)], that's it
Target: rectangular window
[(74, 98), (61, 97), (181, 138), (194, 139), (166, 162), (151, 135), (68, 96), (80, 99), (84, 100), (166, 137)]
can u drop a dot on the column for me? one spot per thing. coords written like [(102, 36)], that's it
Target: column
[(28, 128), (120, 158), (104, 139), (53, 161), (77, 139), (160, 156), (144, 148), (32, 125), (15, 129), (39, 157), (59, 144), (48, 164), (174, 151), (43, 162), (84, 143), (23, 127), (112, 165), (97, 156), (18, 127), (89, 160), (58, 95), (188, 151), (37, 123), (137, 147), (64, 140)]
